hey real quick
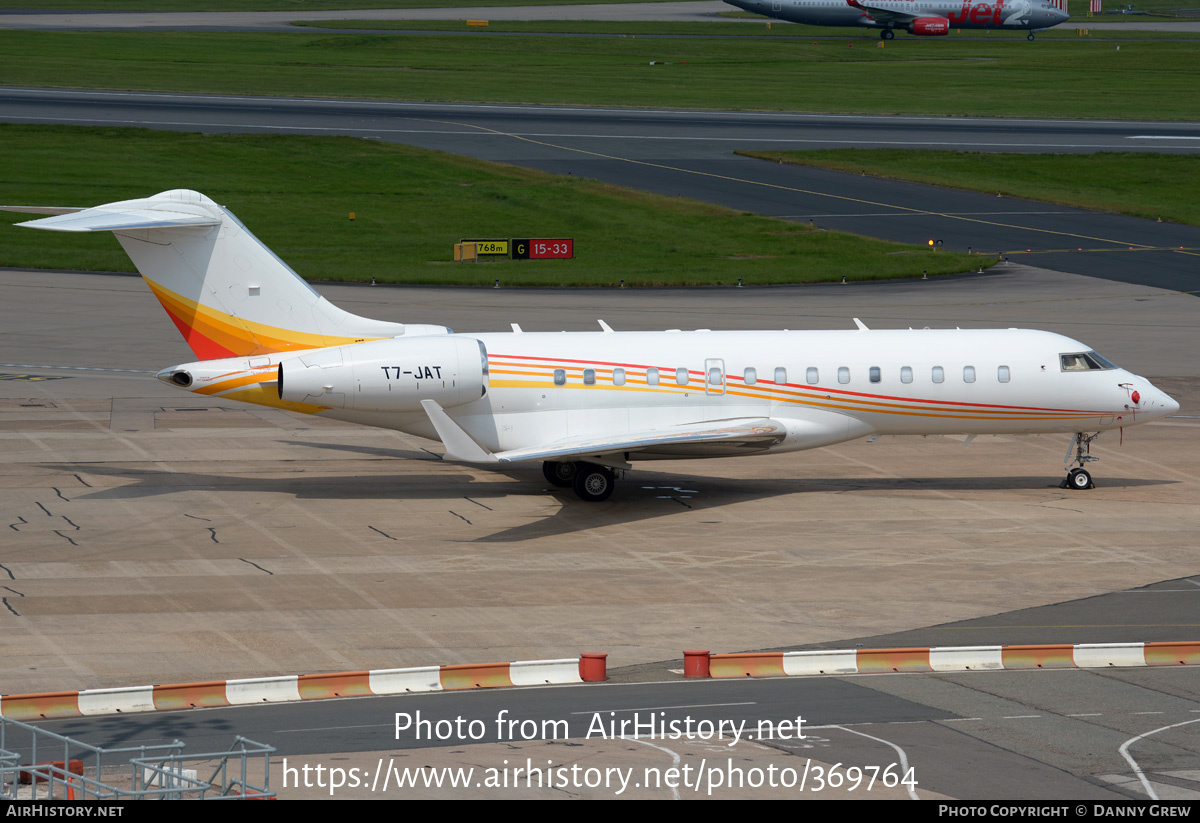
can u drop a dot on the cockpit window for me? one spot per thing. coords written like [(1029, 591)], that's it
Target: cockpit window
[(1085, 361), (1104, 362)]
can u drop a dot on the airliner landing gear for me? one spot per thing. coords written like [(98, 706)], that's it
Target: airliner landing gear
[(1029, 36), (1078, 478), (594, 484), (886, 34), (560, 474)]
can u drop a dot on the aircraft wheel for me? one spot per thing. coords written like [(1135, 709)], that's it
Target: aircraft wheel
[(594, 484), (1079, 480), (560, 474), (886, 34), (1029, 36)]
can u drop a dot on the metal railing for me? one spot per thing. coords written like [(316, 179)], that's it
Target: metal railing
[(54, 769)]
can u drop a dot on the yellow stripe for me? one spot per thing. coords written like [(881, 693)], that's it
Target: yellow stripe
[(965, 414), (266, 376), (787, 394), (264, 396), (239, 335)]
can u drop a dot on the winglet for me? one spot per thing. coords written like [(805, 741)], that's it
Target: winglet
[(861, 325), (605, 327), (459, 445)]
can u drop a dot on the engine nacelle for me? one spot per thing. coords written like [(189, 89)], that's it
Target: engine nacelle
[(930, 26), (388, 375)]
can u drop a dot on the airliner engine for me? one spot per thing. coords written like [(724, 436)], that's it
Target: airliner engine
[(931, 26), (388, 375)]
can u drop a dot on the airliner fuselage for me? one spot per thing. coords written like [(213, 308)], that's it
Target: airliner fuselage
[(919, 17)]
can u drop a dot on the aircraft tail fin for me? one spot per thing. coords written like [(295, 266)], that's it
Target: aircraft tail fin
[(227, 293)]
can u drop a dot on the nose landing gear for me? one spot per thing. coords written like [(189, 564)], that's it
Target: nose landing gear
[(1078, 478)]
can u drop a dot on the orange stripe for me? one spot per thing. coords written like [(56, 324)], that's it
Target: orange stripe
[(760, 664), (475, 676), (1172, 654), (341, 684), (964, 414), (893, 660), (1038, 657), (34, 706), (190, 695), (215, 388), (849, 395), (235, 335)]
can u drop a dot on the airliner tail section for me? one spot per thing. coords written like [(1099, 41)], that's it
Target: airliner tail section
[(227, 293)]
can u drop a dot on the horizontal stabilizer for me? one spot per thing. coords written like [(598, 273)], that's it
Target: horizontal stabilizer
[(115, 217), (44, 209)]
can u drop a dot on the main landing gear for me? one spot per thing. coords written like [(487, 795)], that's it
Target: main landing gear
[(887, 34), (1078, 478), (593, 483), (1029, 36)]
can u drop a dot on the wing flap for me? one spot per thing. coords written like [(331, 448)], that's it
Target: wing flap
[(739, 434), (682, 441)]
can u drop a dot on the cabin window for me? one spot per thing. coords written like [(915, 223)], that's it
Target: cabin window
[(812, 375), (618, 377), (714, 376), (875, 374), (750, 376), (843, 374), (1002, 374), (968, 374), (681, 376), (589, 377), (780, 376), (938, 374), (651, 377), (560, 377), (906, 374)]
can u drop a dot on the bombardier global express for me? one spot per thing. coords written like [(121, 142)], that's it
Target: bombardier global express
[(588, 404), (919, 17)]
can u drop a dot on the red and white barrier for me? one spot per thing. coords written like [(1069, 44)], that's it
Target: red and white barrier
[(248, 691), (948, 659)]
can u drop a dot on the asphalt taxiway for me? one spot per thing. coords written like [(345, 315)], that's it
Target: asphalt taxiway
[(690, 154), (160, 537), (158, 534)]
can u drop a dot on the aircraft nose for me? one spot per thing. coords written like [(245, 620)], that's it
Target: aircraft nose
[(1157, 403)]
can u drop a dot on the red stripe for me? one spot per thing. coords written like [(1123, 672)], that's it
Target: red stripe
[(201, 346), (808, 387)]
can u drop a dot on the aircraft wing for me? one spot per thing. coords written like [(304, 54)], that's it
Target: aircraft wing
[(709, 438), (883, 15)]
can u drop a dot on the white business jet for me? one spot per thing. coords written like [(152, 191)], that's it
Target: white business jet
[(588, 404)]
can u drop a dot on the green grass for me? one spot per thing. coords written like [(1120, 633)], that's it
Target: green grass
[(715, 29), (1005, 77), (755, 25), (411, 206), (1145, 185), (594, 27)]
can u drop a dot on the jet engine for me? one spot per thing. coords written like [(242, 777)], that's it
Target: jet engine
[(388, 375), (930, 26)]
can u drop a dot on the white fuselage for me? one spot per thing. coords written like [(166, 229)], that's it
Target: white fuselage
[(826, 386), (964, 14)]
